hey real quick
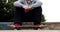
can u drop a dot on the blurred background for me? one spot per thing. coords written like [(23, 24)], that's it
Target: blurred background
[(7, 11)]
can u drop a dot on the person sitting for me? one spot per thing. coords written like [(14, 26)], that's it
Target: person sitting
[(27, 11)]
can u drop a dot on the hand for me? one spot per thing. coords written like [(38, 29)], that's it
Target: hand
[(27, 8)]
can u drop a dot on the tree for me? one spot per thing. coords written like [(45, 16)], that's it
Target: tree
[(6, 10)]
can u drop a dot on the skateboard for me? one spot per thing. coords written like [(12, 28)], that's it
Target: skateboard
[(27, 26)]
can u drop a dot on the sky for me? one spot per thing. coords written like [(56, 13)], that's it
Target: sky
[(51, 10)]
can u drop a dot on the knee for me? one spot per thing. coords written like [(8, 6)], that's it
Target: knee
[(38, 8), (18, 8)]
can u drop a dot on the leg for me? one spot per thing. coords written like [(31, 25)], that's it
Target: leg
[(37, 15), (19, 13)]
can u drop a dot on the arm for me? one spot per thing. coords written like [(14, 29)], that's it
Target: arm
[(18, 3), (37, 4)]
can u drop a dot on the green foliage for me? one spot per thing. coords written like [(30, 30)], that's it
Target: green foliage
[(7, 11), (43, 18)]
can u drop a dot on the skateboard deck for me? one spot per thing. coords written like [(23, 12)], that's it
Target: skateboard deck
[(27, 27)]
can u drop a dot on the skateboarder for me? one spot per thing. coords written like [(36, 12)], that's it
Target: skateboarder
[(27, 11)]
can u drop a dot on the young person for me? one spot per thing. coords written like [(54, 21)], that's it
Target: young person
[(27, 11)]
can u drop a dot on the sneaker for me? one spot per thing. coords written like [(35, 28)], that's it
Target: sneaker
[(17, 25), (14, 25), (37, 24)]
